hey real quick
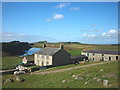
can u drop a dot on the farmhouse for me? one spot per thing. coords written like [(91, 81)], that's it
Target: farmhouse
[(103, 55), (52, 56)]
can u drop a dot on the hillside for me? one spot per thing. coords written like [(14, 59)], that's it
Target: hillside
[(55, 80), (76, 46)]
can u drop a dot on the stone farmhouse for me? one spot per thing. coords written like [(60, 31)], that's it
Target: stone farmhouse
[(52, 56), (103, 55)]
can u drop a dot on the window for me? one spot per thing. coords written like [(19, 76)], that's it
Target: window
[(116, 57), (37, 61), (37, 56), (87, 54), (47, 63), (47, 57), (42, 64), (93, 54), (42, 57)]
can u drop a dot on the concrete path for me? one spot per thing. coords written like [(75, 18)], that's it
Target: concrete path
[(72, 68)]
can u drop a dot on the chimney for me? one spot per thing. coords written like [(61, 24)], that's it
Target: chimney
[(44, 45), (61, 46)]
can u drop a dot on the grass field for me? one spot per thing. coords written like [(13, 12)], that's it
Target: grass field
[(110, 72), (74, 52), (10, 62)]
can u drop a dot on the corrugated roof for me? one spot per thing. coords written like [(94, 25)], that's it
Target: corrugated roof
[(103, 52), (48, 51)]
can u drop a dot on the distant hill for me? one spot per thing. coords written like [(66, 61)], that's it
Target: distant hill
[(41, 42), (45, 42), (72, 43), (15, 47)]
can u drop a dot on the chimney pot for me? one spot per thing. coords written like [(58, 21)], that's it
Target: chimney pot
[(61, 46), (44, 45)]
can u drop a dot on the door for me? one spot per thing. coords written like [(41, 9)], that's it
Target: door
[(109, 58), (116, 57), (102, 58)]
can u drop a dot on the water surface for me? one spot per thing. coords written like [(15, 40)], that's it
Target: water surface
[(30, 51)]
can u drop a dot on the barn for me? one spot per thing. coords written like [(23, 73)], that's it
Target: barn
[(101, 55)]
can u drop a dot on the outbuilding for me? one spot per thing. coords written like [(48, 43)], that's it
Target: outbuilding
[(101, 55), (28, 60), (78, 58)]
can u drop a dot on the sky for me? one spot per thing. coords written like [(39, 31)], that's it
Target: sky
[(85, 22)]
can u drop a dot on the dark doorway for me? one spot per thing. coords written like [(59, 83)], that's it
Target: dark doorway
[(109, 58), (116, 57)]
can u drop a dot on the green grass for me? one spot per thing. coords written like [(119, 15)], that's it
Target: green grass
[(67, 66), (79, 46), (74, 52), (33, 66), (55, 80), (9, 62)]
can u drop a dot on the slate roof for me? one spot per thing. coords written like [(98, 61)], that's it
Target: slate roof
[(103, 52), (48, 51), (79, 56)]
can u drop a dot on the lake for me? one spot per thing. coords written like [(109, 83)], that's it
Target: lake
[(30, 51)]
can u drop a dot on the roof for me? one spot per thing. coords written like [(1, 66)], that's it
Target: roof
[(103, 52), (48, 51), (79, 56), (29, 58)]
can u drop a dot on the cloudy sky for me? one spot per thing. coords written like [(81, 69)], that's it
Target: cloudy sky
[(85, 22)]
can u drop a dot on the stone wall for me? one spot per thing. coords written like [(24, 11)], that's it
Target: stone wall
[(95, 57), (61, 58), (113, 57), (42, 60)]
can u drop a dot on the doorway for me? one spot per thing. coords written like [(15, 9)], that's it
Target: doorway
[(102, 58), (116, 57), (109, 58)]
